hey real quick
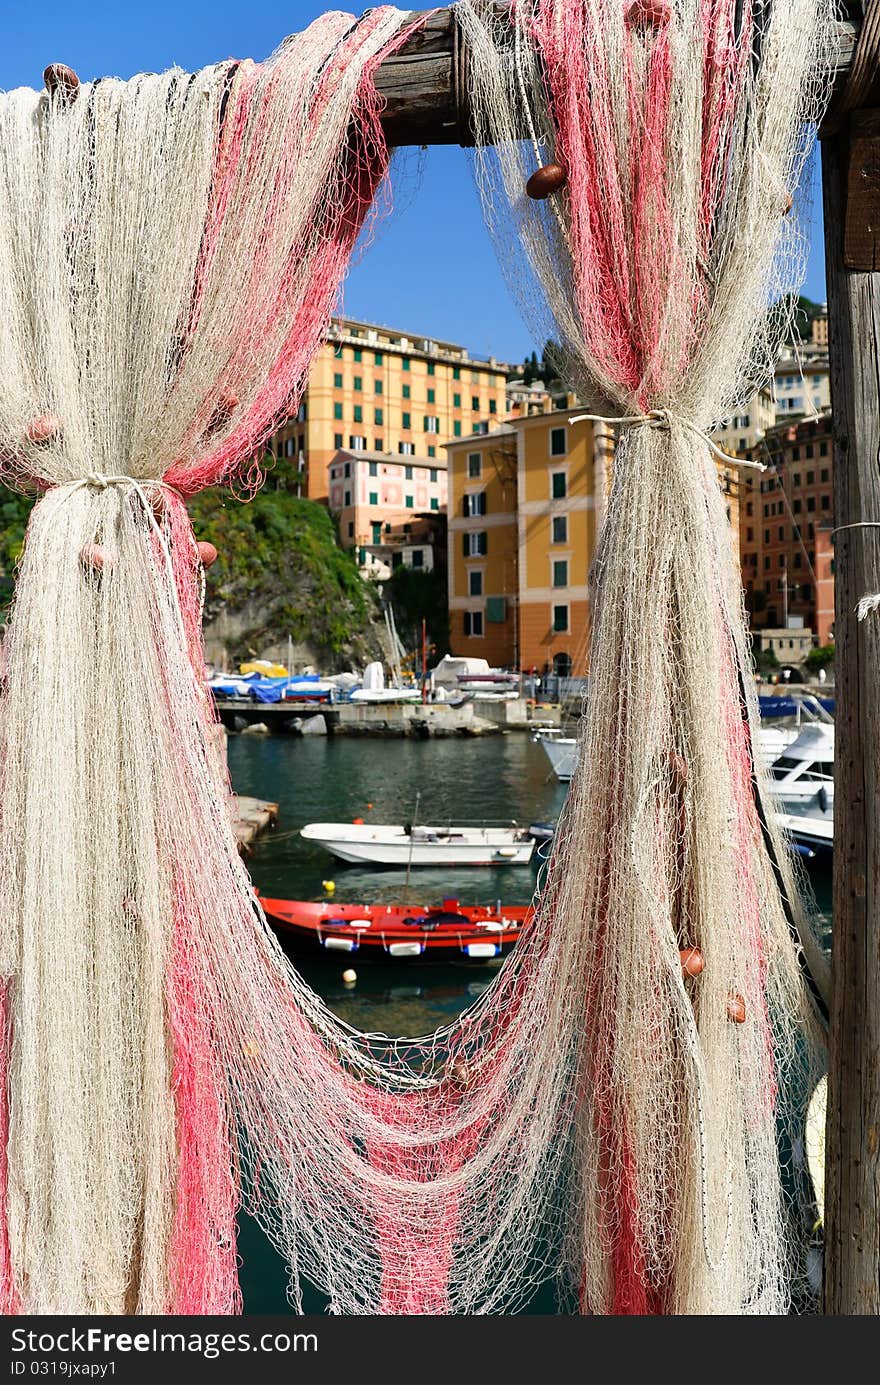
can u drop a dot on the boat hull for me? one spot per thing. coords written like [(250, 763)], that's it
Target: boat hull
[(398, 934), (394, 847)]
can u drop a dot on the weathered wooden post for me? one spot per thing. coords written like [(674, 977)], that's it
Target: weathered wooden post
[(851, 187)]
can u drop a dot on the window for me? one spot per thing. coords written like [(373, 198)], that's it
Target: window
[(358, 413), (347, 498), (823, 449), (432, 451), (378, 358), (409, 502), (811, 503), (337, 411), (811, 478), (557, 483), (376, 526), (418, 557), (358, 382), (357, 443), (766, 511), (432, 396), (406, 448), (796, 479), (378, 444), (374, 468), (808, 452), (475, 583), (407, 421), (473, 623), (473, 504), (557, 442), (560, 529), (358, 354), (337, 380), (823, 474), (407, 473), (432, 425), (456, 401), (377, 386), (456, 428), (347, 469), (406, 363), (475, 544), (337, 351), (797, 559), (431, 368), (475, 403), (435, 503), (766, 563), (433, 473), (560, 618), (796, 506), (337, 440), (351, 529), (826, 502), (456, 373), (493, 406), (560, 572), (374, 497), (378, 416)]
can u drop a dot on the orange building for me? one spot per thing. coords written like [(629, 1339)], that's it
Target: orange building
[(379, 390), (787, 515), (522, 529)]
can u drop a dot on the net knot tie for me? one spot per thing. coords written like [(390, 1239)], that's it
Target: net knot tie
[(666, 418)]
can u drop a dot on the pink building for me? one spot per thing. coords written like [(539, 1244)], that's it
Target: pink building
[(375, 494)]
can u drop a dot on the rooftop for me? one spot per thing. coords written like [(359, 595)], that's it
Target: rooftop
[(398, 458)]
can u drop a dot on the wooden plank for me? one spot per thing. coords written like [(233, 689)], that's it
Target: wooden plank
[(424, 84), (852, 1190), (862, 229)]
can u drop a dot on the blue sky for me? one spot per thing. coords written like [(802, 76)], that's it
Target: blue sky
[(430, 267)]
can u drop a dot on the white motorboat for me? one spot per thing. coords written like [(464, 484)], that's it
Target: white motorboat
[(806, 767), (773, 741), (406, 845)]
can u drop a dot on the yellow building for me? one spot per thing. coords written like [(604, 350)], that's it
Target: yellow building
[(526, 503), (378, 390), (522, 531)]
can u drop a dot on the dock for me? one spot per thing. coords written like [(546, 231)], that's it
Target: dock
[(250, 818)]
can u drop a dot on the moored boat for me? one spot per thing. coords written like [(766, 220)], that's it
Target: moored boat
[(450, 932), (398, 844)]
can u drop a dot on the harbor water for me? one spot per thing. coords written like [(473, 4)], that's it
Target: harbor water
[(326, 779)]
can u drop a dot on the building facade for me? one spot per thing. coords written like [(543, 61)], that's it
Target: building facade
[(522, 532), (802, 384), (379, 499), (787, 515), (374, 389)]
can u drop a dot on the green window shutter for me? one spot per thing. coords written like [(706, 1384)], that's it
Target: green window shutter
[(374, 497), (496, 609), (337, 411), (337, 380)]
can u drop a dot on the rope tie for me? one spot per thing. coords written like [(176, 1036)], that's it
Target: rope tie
[(665, 418), (871, 601)]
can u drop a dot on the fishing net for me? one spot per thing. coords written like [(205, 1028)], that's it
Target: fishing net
[(170, 249), (661, 268)]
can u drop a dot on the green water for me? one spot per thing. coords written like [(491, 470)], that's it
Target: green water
[(316, 779)]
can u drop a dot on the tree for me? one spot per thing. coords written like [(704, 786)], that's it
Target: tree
[(820, 657), (765, 661)]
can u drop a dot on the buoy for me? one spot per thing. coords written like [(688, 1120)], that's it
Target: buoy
[(207, 553), (369, 805), (349, 976), (691, 960), (653, 14), (329, 886), (460, 1072), (94, 556), (62, 82), (358, 822), (45, 428), (546, 180), (736, 1009)]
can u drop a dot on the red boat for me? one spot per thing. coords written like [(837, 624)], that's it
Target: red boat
[(449, 932)]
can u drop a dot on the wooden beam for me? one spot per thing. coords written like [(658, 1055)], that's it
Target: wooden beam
[(852, 1177), (424, 84)]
